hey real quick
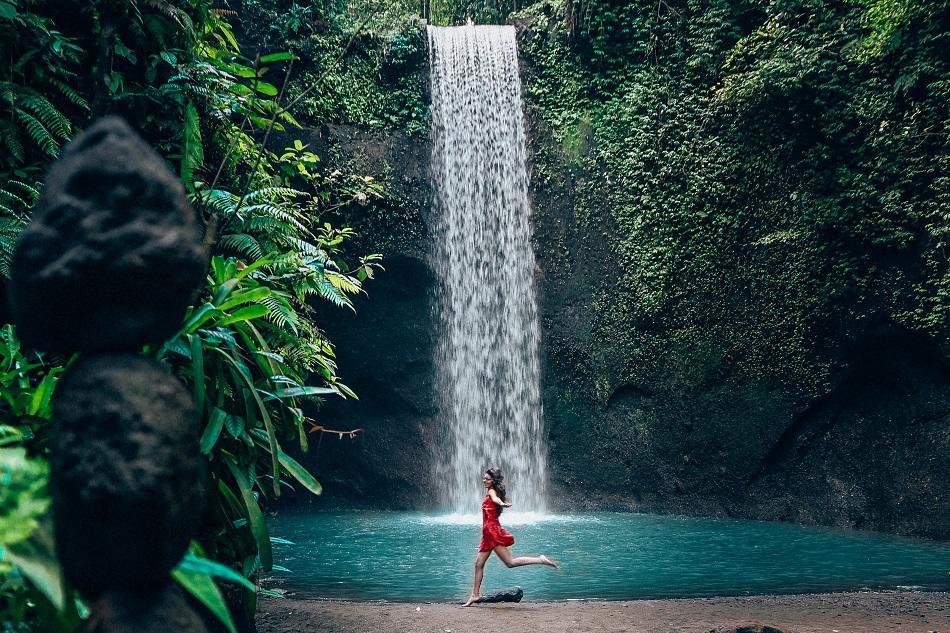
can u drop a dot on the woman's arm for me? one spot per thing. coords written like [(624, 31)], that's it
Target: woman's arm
[(496, 499)]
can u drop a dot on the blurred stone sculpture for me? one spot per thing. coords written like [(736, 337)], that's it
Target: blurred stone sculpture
[(123, 473), (110, 261), (113, 252)]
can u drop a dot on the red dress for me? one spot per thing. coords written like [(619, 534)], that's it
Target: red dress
[(493, 534)]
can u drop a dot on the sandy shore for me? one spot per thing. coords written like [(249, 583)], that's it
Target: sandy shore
[(865, 612)]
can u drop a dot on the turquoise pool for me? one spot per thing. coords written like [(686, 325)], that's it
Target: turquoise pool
[(411, 556)]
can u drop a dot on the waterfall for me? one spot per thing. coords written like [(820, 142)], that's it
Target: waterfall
[(487, 355)]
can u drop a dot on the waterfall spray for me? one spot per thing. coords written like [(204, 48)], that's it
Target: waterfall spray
[(487, 356)]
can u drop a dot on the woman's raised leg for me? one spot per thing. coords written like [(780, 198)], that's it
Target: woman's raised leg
[(479, 573), (519, 561)]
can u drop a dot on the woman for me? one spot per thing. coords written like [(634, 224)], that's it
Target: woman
[(496, 538)]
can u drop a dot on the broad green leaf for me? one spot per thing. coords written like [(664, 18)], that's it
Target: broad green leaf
[(36, 559), (7, 11), (199, 317), (202, 587), (213, 431), (39, 404), (267, 89), (252, 391), (10, 435), (198, 371), (277, 57), (246, 296), (208, 567), (301, 392), (226, 286), (192, 152), (264, 261), (245, 314), (235, 425), (299, 473), (254, 516)]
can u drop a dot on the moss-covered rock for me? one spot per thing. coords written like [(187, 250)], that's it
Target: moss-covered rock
[(734, 205), (739, 220)]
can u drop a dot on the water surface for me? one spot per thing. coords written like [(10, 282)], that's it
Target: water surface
[(416, 557)]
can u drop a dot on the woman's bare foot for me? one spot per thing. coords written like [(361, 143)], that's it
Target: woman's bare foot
[(472, 598), (550, 562)]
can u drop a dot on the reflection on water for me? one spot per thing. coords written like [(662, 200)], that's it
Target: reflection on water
[(412, 556)]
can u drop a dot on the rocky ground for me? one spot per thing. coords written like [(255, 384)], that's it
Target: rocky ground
[(865, 612)]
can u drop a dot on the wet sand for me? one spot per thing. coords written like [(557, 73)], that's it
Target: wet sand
[(864, 612)]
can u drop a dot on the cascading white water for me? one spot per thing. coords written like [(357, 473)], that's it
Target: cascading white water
[(488, 347)]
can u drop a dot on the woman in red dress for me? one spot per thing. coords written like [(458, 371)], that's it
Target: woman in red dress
[(496, 538)]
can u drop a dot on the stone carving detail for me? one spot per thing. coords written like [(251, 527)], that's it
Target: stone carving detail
[(125, 480), (112, 254), (110, 261)]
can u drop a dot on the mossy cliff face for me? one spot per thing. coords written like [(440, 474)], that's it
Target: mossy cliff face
[(740, 219), (740, 224), (367, 118)]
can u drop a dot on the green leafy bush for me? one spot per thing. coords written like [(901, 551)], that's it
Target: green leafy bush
[(250, 349)]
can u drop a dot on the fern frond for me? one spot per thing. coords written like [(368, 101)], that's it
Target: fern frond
[(243, 244), (269, 193), (305, 247), (217, 200), (46, 112), (10, 229), (281, 312), (269, 227), (193, 155), (280, 213), (344, 283), (38, 132), (172, 12), (71, 95), (31, 192), (10, 137), (331, 293)]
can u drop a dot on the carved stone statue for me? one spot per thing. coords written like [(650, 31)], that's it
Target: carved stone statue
[(110, 261)]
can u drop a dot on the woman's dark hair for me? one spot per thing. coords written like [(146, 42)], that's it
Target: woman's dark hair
[(497, 482)]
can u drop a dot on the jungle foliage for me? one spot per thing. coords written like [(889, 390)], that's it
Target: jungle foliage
[(251, 348), (766, 179), (772, 175)]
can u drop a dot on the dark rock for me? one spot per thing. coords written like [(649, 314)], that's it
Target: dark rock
[(511, 594), (126, 474), (113, 254), (5, 316), (157, 611), (388, 361), (748, 628), (387, 347), (647, 421)]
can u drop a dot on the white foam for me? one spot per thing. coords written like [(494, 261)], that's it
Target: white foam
[(507, 518)]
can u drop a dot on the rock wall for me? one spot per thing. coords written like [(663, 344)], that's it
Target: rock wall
[(385, 349), (657, 412)]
